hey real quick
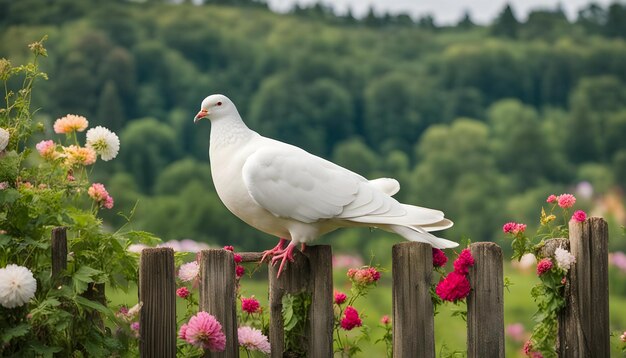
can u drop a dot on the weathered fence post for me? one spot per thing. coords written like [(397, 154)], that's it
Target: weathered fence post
[(310, 273), (59, 250), (584, 322), (413, 316), (218, 295), (485, 303), (157, 292)]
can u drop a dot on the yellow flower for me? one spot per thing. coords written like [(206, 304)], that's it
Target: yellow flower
[(75, 155)]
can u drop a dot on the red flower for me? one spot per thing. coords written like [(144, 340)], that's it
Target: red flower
[(454, 287), (340, 297), (551, 199), (439, 258), (528, 347), (544, 266), (240, 271), (237, 258), (229, 248), (183, 292), (513, 228), (579, 216), (385, 320), (250, 305), (350, 319), (464, 262)]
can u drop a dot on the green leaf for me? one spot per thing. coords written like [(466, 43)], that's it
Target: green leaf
[(14, 332), (290, 320), (94, 305), (9, 196), (44, 350), (82, 277)]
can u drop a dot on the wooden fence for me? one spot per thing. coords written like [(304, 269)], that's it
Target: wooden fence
[(583, 324)]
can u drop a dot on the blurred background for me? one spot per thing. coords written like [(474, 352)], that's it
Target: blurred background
[(481, 112)]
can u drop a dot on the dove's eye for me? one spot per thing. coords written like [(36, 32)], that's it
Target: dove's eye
[(219, 103)]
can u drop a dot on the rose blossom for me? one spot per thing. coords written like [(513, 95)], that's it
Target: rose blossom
[(340, 297), (439, 258), (350, 319), (250, 305), (240, 271), (453, 287), (544, 266), (579, 216), (464, 262), (183, 292), (566, 200)]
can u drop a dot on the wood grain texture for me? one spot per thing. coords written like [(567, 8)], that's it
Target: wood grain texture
[(218, 295), (59, 250), (413, 316), (485, 303), (157, 292), (584, 323), (320, 329)]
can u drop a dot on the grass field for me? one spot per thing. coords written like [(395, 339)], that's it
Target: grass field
[(450, 332)]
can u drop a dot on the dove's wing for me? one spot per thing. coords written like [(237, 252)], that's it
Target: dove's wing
[(291, 183)]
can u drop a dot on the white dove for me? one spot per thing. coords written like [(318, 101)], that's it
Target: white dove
[(287, 192)]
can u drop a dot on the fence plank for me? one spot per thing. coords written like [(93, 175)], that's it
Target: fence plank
[(413, 316), (584, 323), (320, 329), (59, 250), (485, 304), (157, 291), (294, 279), (218, 295)]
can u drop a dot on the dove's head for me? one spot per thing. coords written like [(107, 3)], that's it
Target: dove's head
[(215, 106)]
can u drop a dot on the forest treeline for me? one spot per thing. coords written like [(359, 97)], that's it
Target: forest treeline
[(481, 121)]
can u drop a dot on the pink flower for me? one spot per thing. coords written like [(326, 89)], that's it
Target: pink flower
[(123, 311), (544, 266), (364, 276), (453, 287), (135, 326), (229, 248), (189, 271), (183, 292), (464, 262), (385, 320), (182, 333), (528, 347), (204, 331), (47, 149), (350, 319), (100, 195), (515, 331), (439, 258), (240, 271), (508, 227), (250, 305), (551, 199), (70, 123), (623, 337), (340, 297), (579, 216), (237, 258), (566, 200), (253, 339), (4, 185), (536, 354)]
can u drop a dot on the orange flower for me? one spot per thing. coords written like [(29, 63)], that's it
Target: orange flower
[(70, 123)]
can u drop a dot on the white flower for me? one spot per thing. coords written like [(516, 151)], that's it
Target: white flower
[(4, 138), (188, 271), (133, 311), (103, 142), (17, 286), (253, 339), (564, 259)]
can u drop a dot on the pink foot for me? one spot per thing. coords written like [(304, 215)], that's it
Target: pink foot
[(276, 250), (283, 256)]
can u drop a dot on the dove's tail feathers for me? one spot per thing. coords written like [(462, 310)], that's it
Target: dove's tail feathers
[(388, 186), (440, 225), (415, 233)]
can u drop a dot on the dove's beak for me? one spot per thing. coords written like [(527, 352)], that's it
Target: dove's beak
[(203, 113)]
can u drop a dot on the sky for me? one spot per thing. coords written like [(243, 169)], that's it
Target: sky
[(445, 11)]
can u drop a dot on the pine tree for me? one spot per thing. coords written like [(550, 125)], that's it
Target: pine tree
[(110, 109), (506, 24)]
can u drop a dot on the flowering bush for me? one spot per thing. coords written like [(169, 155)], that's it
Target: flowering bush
[(551, 270), (41, 189)]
